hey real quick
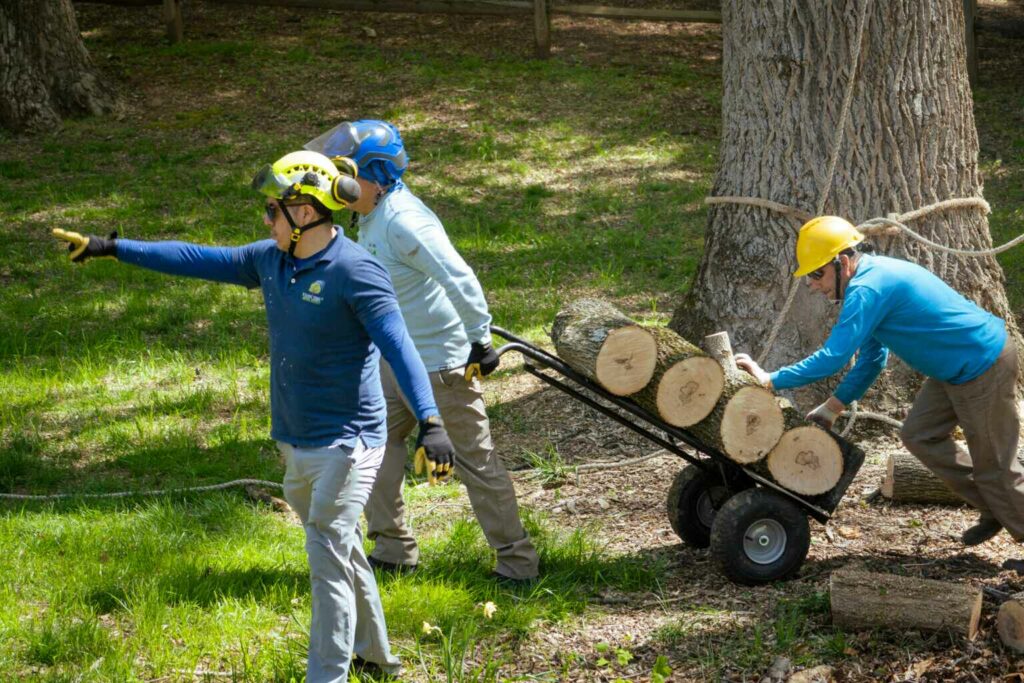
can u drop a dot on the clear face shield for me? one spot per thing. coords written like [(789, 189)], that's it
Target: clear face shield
[(340, 141), (272, 184)]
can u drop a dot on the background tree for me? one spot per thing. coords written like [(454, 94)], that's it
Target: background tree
[(45, 70), (909, 141)]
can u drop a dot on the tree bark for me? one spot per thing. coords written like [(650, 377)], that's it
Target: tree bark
[(686, 383), (908, 481), (45, 70), (865, 600), (599, 341), (909, 140)]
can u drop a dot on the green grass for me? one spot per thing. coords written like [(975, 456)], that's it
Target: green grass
[(555, 179)]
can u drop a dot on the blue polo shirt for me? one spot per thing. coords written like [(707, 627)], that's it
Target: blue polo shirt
[(323, 315), (894, 304)]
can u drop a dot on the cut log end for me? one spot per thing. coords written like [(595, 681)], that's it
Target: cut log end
[(807, 460), (689, 390), (1010, 623), (907, 480), (625, 363), (752, 424)]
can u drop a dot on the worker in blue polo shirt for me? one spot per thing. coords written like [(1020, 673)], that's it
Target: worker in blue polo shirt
[(444, 306), (331, 313), (966, 354)]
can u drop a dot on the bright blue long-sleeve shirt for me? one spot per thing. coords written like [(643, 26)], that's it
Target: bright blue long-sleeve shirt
[(896, 305), (327, 317)]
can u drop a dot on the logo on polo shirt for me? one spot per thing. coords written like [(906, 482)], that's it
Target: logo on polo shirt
[(312, 295)]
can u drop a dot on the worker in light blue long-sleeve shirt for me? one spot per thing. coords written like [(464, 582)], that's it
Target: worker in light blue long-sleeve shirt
[(331, 314), (447, 316), (966, 353)]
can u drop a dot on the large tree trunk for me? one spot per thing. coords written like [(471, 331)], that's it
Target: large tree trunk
[(909, 140), (45, 70)]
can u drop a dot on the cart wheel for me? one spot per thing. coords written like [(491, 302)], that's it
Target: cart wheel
[(693, 501), (758, 537)]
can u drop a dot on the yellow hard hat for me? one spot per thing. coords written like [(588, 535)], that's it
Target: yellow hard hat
[(820, 240), (311, 174)]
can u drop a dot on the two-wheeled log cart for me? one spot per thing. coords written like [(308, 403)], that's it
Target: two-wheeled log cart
[(757, 531)]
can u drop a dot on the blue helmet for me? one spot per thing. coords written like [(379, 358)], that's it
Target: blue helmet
[(376, 146)]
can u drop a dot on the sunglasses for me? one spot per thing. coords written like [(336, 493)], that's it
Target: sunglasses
[(816, 275), (270, 210)]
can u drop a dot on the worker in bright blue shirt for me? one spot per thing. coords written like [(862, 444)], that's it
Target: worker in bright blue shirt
[(331, 313), (965, 352)]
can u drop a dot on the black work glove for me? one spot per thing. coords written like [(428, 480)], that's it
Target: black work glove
[(483, 360), (434, 450), (82, 247)]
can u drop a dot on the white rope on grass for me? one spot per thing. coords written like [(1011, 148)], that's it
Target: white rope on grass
[(153, 492)]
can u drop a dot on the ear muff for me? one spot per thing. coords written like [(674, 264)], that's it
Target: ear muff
[(346, 166), (345, 190)]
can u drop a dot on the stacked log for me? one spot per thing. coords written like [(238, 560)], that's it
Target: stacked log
[(686, 383), (707, 394), (865, 600), (602, 343), (907, 480)]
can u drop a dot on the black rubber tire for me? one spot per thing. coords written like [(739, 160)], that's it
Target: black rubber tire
[(781, 529), (693, 500)]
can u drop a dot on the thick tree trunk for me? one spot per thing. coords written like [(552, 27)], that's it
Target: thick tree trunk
[(45, 70), (865, 600), (909, 140), (908, 481)]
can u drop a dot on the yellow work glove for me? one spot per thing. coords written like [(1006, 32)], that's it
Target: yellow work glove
[(482, 361), (434, 452), (82, 247)]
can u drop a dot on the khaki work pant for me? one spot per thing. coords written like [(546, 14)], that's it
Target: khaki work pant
[(989, 477), (327, 488), (490, 489)]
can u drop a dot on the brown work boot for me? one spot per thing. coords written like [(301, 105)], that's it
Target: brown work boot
[(986, 528)]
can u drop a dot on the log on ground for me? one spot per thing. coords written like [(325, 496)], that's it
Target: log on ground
[(686, 383), (865, 600), (1010, 622), (807, 460), (907, 480), (599, 341)]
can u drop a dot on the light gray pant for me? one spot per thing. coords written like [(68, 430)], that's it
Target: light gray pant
[(328, 488), (490, 489), (990, 477)]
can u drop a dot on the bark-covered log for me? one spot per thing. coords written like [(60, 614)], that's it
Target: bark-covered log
[(599, 341), (807, 460), (1010, 622), (865, 600), (907, 480), (45, 70), (746, 423), (719, 347), (686, 383)]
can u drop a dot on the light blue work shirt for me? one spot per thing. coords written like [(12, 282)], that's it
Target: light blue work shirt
[(439, 295), (891, 304)]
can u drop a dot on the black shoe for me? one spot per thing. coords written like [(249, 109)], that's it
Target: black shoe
[(512, 582), (391, 567), (1014, 566), (362, 667), (986, 528)]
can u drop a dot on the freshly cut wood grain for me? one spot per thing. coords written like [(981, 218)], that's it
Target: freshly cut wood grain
[(865, 600), (907, 480), (807, 460), (1010, 622), (599, 341), (752, 423), (686, 383)]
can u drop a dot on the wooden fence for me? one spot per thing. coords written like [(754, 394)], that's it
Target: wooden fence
[(540, 10)]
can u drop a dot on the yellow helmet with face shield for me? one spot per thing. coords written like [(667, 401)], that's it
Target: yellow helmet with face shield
[(309, 174)]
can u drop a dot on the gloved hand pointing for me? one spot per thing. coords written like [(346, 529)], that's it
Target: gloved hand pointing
[(82, 247), (483, 360), (434, 450)]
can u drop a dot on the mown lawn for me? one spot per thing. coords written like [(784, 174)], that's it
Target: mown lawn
[(554, 179)]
